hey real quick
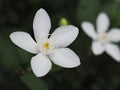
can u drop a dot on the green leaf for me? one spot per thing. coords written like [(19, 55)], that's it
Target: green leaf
[(33, 82)]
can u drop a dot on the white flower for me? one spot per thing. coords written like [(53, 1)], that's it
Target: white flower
[(48, 47), (103, 40)]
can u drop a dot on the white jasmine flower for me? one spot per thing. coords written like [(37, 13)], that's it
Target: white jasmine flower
[(48, 48), (103, 40)]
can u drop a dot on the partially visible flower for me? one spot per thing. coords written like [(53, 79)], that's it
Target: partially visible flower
[(103, 40), (48, 48)]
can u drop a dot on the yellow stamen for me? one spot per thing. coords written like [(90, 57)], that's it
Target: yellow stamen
[(46, 46)]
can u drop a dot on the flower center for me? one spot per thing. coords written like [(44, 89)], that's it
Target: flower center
[(46, 46), (103, 37)]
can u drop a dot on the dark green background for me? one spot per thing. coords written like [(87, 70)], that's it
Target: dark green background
[(94, 73)]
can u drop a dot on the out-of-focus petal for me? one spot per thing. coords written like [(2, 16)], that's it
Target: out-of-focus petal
[(114, 35), (97, 48), (89, 29), (102, 23), (113, 51)]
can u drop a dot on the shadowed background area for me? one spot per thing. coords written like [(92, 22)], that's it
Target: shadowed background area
[(94, 73)]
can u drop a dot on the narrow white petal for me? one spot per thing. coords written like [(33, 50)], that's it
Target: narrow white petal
[(113, 51), (65, 57), (89, 29), (64, 35), (41, 24), (114, 35), (24, 41), (97, 48), (102, 23), (40, 65)]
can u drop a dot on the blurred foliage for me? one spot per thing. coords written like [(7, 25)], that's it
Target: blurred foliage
[(33, 82), (95, 72)]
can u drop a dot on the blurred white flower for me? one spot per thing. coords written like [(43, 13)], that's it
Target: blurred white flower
[(103, 40), (48, 48)]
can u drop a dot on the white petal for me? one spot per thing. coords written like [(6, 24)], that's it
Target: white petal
[(113, 51), (40, 65), (41, 24), (102, 23), (64, 35), (24, 41), (97, 48), (114, 35), (89, 29), (65, 57)]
